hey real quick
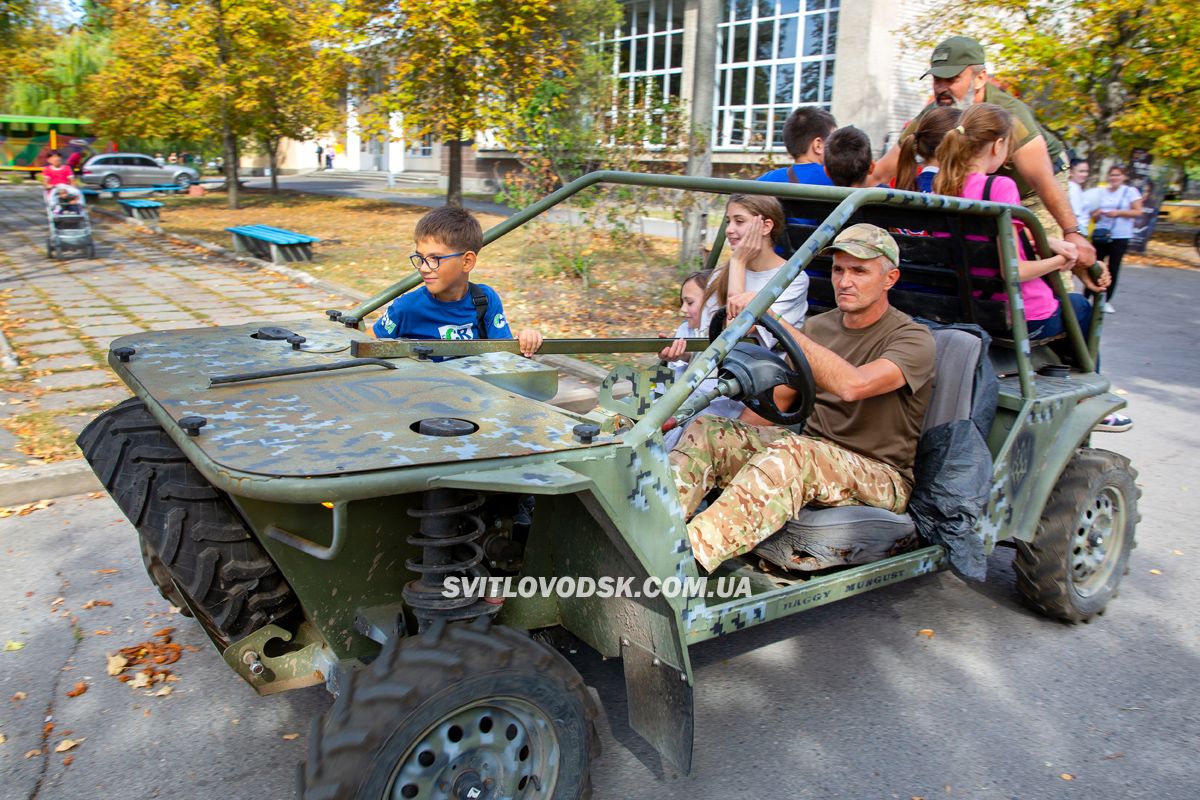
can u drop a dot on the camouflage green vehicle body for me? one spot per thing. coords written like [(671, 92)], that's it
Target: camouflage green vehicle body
[(324, 467)]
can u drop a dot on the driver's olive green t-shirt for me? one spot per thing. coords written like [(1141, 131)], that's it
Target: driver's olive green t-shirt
[(885, 427)]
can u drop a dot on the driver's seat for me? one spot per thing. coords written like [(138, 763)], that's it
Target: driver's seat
[(818, 538)]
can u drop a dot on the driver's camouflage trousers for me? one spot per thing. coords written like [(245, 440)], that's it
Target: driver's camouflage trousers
[(768, 474)]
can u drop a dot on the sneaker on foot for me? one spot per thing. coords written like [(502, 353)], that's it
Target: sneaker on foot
[(1115, 423), (1108, 308)]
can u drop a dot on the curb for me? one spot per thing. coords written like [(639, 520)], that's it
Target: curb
[(60, 479)]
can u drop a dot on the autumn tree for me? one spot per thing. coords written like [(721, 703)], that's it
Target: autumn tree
[(1106, 74), (234, 69), (456, 67)]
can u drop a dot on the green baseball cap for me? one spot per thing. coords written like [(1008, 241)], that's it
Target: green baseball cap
[(953, 56), (866, 241)]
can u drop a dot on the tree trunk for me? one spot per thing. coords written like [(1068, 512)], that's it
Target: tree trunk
[(699, 163), (229, 142), (454, 180), (273, 159)]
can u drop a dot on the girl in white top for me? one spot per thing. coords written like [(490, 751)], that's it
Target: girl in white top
[(1114, 209), (754, 224)]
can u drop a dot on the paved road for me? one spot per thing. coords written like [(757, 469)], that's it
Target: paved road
[(845, 701)]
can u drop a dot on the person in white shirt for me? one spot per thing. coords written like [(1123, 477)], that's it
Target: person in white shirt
[(1077, 180), (1113, 208)]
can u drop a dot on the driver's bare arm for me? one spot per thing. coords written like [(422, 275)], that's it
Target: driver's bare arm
[(835, 374)]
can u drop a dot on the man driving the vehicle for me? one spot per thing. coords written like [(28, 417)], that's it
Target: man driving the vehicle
[(873, 367)]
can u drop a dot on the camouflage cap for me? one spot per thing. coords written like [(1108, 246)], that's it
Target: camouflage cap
[(866, 241), (953, 56)]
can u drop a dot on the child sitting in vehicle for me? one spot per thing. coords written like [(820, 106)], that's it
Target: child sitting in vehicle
[(927, 133), (448, 305), (64, 199), (968, 155)]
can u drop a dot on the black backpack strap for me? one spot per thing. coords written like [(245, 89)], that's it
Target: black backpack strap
[(480, 299), (987, 187), (791, 173)]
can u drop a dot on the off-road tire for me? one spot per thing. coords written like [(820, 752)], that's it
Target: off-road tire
[(1096, 484), (385, 710), (163, 580), (185, 524)]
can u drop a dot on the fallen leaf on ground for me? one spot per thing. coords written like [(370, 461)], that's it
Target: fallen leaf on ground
[(67, 760), (48, 729), (58, 601), (17, 696), (174, 609), (12, 645), (1114, 756), (107, 571), (95, 604), (1176, 552), (3, 738), (1066, 776), (926, 632), (32, 753), (80, 688), (105, 632), (67, 744), (116, 663), (1156, 572), (290, 736), (164, 691), (140, 681)]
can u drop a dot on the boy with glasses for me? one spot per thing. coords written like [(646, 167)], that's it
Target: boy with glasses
[(448, 305)]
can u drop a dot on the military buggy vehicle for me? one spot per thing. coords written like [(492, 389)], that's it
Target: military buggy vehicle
[(302, 492)]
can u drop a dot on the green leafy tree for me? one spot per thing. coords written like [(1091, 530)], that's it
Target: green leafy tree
[(53, 84), (586, 121), (235, 70), (456, 67), (1105, 74)]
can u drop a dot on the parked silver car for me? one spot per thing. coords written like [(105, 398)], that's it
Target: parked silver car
[(113, 170)]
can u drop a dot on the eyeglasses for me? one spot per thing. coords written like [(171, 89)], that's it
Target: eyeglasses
[(433, 262)]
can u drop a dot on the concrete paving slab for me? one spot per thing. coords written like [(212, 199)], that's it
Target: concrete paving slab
[(80, 379), (109, 331), (84, 398), (56, 363), (39, 335), (161, 316), (55, 348), (106, 319)]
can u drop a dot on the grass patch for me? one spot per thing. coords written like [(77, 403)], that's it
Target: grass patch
[(365, 246), (39, 435)]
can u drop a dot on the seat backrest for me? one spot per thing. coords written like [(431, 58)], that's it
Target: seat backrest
[(957, 357)]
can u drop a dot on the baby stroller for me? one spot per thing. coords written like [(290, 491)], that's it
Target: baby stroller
[(70, 226)]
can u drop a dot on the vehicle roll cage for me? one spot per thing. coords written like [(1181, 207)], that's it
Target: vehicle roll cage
[(849, 202)]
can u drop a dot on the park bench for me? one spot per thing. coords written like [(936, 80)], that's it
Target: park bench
[(273, 244), (144, 210), (98, 191)]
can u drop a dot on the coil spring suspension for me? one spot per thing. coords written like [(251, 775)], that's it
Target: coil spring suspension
[(447, 539)]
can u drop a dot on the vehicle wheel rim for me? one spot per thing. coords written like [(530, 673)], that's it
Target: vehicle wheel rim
[(1098, 542), (496, 748), (111, 183), (184, 181)]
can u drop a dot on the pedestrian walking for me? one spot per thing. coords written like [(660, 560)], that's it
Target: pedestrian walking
[(320, 156)]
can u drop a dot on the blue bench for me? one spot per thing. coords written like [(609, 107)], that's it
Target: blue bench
[(96, 191), (144, 210), (273, 244)]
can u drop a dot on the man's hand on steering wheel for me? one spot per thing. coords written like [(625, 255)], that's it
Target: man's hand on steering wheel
[(759, 372)]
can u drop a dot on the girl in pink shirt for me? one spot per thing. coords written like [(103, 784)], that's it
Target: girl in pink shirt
[(56, 173), (968, 155)]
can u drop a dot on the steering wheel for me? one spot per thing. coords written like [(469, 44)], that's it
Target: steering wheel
[(758, 371)]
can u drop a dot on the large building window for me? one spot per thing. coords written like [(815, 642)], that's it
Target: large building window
[(647, 49), (773, 56)]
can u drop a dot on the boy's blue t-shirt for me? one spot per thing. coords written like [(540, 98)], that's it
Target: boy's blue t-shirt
[(420, 315), (809, 173)]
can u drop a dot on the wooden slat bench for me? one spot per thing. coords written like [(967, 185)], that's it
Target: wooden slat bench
[(273, 244), (98, 191), (144, 210)]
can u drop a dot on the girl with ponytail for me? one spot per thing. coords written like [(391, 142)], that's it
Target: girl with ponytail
[(968, 155), (926, 135)]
